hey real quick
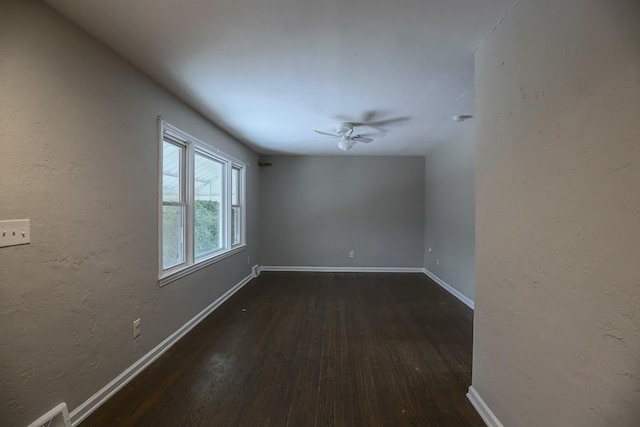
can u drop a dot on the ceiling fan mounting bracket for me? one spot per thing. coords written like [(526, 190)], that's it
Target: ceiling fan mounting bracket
[(345, 128)]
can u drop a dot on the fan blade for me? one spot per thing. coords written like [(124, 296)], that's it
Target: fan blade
[(327, 133), (369, 116), (386, 122), (343, 118), (373, 135), (362, 139)]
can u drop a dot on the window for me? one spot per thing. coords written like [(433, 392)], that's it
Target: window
[(208, 189), (202, 204), (173, 204), (236, 207)]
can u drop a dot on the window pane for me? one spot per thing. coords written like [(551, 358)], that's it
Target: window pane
[(235, 226), (172, 236), (207, 225), (235, 186), (171, 172)]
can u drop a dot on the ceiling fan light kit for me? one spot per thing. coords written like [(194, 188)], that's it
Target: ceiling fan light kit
[(346, 137), (345, 143)]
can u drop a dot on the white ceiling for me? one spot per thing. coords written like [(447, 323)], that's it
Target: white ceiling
[(271, 71)]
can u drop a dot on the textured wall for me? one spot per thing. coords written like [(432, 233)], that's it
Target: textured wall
[(450, 210), (557, 320), (314, 210), (79, 139)]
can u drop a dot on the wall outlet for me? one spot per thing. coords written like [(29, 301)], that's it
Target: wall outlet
[(249, 260), (437, 262), (136, 328), (429, 250), (352, 254)]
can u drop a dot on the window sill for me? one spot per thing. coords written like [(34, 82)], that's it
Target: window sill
[(173, 276)]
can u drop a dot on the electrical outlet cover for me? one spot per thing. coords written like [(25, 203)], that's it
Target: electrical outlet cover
[(136, 328)]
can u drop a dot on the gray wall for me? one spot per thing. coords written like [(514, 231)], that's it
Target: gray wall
[(78, 131), (314, 210), (557, 319), (450, 211)]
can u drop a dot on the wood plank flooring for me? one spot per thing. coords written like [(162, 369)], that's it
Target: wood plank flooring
[(313, 349)]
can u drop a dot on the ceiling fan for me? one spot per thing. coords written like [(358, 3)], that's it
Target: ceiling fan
[(347, 138), (346, 135)]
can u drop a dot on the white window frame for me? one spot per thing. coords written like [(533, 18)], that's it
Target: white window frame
[(192, 146), (241, 199)]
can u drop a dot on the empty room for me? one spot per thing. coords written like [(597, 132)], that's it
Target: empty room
[(320, 213)]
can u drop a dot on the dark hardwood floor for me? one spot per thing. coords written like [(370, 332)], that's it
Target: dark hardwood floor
[(313, 349)]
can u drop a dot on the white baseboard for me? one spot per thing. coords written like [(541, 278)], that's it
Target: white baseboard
[(456, 293), (255, 270), (342, 269), (53, 417), (95, 401), (482, 409)]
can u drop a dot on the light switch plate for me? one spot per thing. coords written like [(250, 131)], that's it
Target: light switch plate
[(15, 232)]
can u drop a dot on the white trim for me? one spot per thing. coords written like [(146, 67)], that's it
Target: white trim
[(159, 195), (201, 264), (342, 269), (242, 198), (106, 392), (60, 409), (453, 291), (255, 270), (182, 135), (483, 409)]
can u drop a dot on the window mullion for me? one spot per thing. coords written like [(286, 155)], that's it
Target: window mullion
[(243, 204), (228, 204), (189, 199)]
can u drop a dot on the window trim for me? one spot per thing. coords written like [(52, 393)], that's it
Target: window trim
[(183, 196), (241, 200), (193, 146)]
